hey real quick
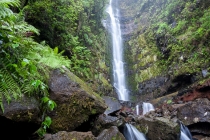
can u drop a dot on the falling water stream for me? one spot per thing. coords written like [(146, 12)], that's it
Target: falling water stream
[(117, 50), (185, 133), (130, 132)]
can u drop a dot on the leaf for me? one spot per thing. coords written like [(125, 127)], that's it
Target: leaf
[(45, 99), (47, 121), (33, 69), (56, 50), (15, 46), (51, 105), (169, 101)]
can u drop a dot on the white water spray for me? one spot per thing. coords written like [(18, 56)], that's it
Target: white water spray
[(147, 107), (185, 133), (118, 64), (131, 133)]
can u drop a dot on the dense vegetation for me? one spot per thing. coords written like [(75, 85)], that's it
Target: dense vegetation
[(75, 27), (172, 38), (60, 34)]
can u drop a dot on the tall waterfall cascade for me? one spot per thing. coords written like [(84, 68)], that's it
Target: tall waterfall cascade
[(117, 52)]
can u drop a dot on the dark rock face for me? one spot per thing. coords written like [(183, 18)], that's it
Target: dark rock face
[(105, 122), (21, 118), (194, 112), (112, 103), (75, 101), (63, 135), (24, 109), (159, 128), (112, 133), (157, 86)]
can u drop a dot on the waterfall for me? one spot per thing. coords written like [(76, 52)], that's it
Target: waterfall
[(147, 107), (137, 109), (118, 64), (185, 133), (131, 133)]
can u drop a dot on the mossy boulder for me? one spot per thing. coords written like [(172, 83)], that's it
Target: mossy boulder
[(159, 128), (75, 101)]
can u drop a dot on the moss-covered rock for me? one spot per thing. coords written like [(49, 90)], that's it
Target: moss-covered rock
[(159, 128), (75, 101), (168, 39)]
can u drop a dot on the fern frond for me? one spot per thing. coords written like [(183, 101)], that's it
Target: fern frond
[(7, 3), (4, 7), (27, 88), (8, 87), (23, 27), (4, 12), (48, 57)]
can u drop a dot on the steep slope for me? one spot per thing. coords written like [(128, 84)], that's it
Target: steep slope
[(167, 44)]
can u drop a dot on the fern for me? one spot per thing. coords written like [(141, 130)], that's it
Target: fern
[(4, 7), (8, 87), (47, 56)]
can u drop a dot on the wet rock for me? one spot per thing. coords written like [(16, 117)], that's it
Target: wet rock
[(105, 122), (21, 118), (63, 135), (112, 133), (25, 109), (113, 105), (75, 101), (196, 111), (158, 128)]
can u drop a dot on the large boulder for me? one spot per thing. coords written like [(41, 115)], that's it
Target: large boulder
[(158, 128), (105, 122), (113, 105), (63, 135), (112, 133), (24, 109), (194, 111), (75, 101), (21, 118)]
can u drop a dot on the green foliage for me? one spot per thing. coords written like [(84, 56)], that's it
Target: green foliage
[(179, 29), (71, 26), (162, 28), (4, 7), (169, 102), (45, 124), (46, 106), (9, 88), (25, 64)]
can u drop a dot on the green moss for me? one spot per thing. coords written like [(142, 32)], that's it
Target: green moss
[(172, 39), (84, 86), (93, 111)]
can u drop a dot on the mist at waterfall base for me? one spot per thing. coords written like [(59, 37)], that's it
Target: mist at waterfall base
[(117, 52)]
